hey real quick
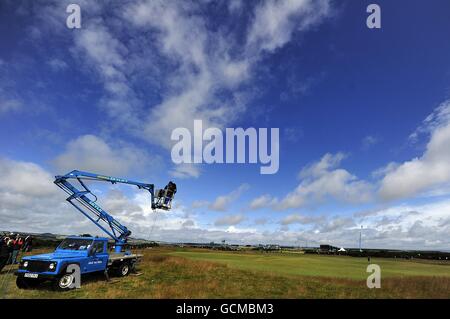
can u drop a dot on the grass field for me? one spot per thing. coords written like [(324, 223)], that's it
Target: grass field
[(315, 265), (182, 273)]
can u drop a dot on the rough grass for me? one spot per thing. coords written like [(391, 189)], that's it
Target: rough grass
[(165, 275)]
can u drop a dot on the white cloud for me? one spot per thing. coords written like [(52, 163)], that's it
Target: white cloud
[(185, 171), (337, 224), (275, 21), (25, 178), (188, 70), (199, 203), (438, 118), (432, 169), (202, 68), (91, 153), (322, 180), (229, 220), (301, 219), (263, 201), (30, 202), (98, 48), (222, 202), (117, 202), (408, 225)]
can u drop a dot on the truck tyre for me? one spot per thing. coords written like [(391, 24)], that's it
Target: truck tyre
[(24, 283), (64, 282), (20, 283), (123, 270)]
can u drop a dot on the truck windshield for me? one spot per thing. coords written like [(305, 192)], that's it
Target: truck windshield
[(75, 244)]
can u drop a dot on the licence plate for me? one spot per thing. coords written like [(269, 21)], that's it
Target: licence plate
[(28, 275)]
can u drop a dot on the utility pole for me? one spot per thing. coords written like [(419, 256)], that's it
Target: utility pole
[(360, 235)]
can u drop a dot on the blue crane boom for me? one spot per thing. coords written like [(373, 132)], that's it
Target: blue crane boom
[(88, 207)]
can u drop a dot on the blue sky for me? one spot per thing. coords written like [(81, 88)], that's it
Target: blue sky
[(363, 116)]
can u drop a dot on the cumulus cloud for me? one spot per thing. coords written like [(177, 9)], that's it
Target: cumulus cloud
[(229, 220), (263, 201), (221, 203), (116, 201), (432, 169), (337, 223), (323, 180), (199, 203), (30, 202), (92, 153), (407, 225), (438, 118), (301, 219), (25, 178)]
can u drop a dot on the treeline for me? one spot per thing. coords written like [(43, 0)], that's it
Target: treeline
[(405, 254)]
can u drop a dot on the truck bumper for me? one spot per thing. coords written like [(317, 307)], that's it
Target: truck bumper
[(39, 276)]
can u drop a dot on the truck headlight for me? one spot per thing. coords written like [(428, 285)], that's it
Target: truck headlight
[(52, 266), (25, 264)]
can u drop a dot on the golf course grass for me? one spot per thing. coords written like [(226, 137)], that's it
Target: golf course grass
[(194, 273), (317, 265)]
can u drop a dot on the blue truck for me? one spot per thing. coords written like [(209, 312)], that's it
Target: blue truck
[(89, 254), (78, 255)]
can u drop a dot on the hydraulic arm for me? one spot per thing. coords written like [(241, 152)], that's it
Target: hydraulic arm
[(80, 199)]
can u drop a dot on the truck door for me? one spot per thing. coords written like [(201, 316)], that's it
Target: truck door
[(99, 259)]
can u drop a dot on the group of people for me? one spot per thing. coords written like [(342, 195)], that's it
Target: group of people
[(11, 245)]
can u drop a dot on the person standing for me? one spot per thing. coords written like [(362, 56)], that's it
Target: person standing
[(17, 244)]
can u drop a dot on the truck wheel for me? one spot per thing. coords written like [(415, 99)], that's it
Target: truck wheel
[(123, 270), (64, 282), (20, 283), (23, 283)]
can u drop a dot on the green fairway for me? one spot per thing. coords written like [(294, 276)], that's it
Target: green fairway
[(317, 265)]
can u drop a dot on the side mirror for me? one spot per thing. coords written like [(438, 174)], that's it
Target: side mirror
[(91, 252)]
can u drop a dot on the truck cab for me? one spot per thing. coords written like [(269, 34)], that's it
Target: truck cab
[(90, 254)]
